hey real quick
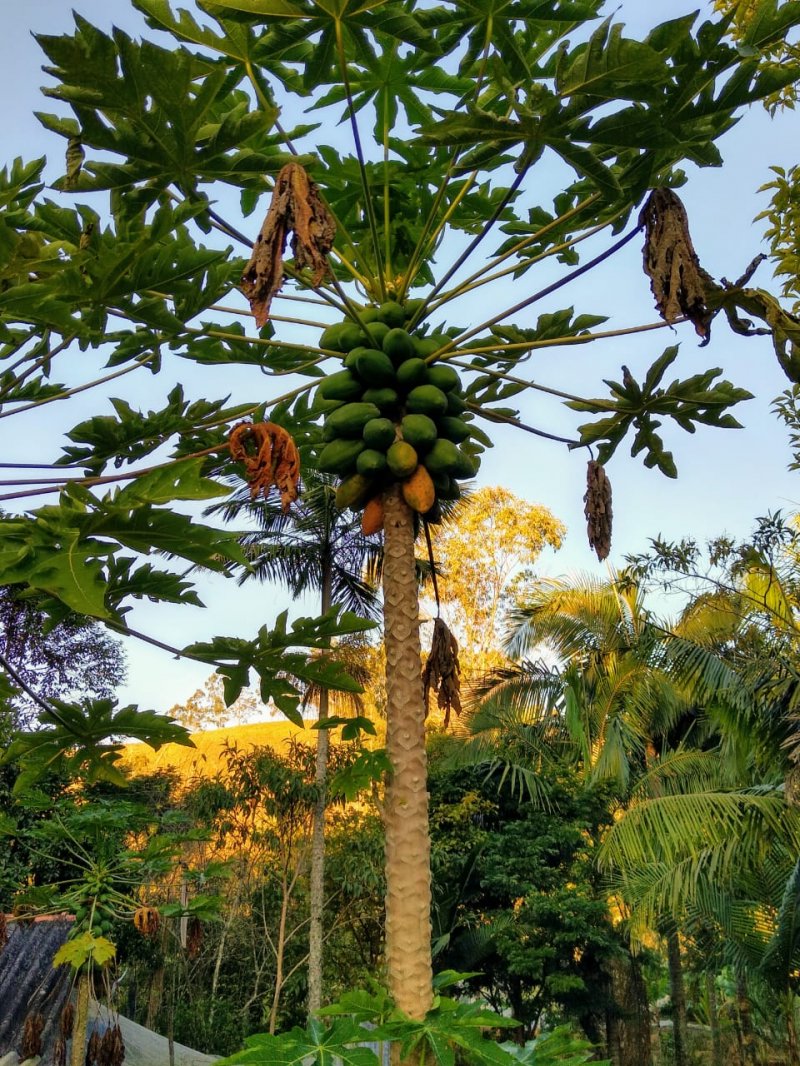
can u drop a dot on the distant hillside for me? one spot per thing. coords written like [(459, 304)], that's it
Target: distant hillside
[(205, 758)]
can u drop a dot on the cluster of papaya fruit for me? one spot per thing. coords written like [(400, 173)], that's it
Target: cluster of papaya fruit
[(95, 913), (391, 415)]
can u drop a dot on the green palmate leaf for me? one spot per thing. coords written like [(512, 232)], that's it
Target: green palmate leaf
[(181, 480), (634, 406), (367, 769), (282, 670), (317, 1043), (84, 948), (86, 740), (266, 8), (610, 66)]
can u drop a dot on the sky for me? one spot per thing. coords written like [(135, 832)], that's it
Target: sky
[(726, 478)]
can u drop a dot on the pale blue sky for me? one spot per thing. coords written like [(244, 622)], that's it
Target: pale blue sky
[(725, 479)]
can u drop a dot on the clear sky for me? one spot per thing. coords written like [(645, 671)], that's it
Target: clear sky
[(726, 478)]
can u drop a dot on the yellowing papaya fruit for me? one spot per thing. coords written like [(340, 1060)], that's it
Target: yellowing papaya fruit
[(372, 518), (418, 491)]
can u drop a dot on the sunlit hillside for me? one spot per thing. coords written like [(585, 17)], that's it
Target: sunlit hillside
[(205, 758)]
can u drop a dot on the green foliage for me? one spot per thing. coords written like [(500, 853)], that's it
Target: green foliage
[(280, 669), (85, 741), (694, 400), (361, 1018), (516, 896)]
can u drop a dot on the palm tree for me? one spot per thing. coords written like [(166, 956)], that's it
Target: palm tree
[(617, 706), (698, 753), (314, 547)]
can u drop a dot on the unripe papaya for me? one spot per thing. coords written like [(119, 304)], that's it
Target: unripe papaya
[(354, 491), (399, 346), (402, 459)]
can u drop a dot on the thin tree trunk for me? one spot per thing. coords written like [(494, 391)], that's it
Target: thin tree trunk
[(317, 877), (713, 1020), (408, 878), (743, 1009), (81, 1024), (280, 947), (629, 1041), (678, 997), (792, 1045)]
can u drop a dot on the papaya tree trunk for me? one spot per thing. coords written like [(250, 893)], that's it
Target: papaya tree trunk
[(408, 876), (317, 876), (80, 1026), (678, 997)]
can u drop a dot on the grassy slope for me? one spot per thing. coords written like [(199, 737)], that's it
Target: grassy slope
[(205, 758)]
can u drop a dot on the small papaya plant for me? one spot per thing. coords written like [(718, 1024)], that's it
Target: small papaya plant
[(359, 288)]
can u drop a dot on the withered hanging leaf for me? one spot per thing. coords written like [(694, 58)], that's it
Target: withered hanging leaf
[(270, 458), (295, 206), (112, 1048), (146, 921), (194, 937), (442, 671), (60, 1052), (93, 1050), (67, 1021), (31, 1036), (597, 509), (75, 156), (677, 280)]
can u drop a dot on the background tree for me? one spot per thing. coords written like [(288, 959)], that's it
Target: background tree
[(486, 553), (64, 657), (316, 547)]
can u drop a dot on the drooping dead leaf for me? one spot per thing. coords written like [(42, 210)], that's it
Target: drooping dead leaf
[(295, 206), (146, 921), (270, 458), (66, 1022), (194, 937), (442, 671), (112, 1048), (31, 1036), (597, 509), (60, 1052), (677, 280), (93, 1049)]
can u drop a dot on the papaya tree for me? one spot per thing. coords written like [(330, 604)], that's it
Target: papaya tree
[(425, 206)]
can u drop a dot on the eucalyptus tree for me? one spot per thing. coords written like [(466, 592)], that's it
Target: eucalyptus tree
[(450, 110), (314, 547)]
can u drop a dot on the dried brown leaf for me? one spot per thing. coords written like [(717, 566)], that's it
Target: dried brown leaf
[(597, 500), (442, 671), (295, 207), (112, 1048), (270, 458), (678, 282), (194, 937), (93, 1050), (67, 1021), (60, 1052), (32, 1036), (146, 921)]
